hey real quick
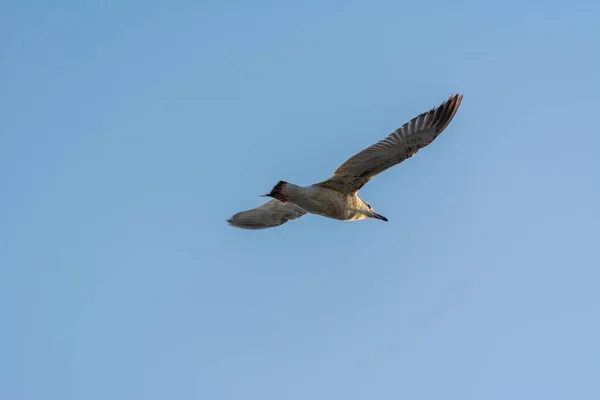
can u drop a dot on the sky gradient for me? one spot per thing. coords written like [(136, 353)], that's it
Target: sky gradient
[(130, 131)]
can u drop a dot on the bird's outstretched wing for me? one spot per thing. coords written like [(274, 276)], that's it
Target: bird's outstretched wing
[(272, 213), (397, 147)]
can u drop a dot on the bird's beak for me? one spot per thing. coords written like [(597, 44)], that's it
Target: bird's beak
[(381, 217)]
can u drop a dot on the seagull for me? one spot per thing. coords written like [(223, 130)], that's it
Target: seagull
[(337, 197)]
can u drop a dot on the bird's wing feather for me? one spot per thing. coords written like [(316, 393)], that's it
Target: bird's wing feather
[(397, 147), (272, 213)]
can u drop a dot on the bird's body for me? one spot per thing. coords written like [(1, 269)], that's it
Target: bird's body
[(320, 200), (337, 197)]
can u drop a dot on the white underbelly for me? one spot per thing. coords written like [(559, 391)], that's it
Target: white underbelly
[(327, 203)]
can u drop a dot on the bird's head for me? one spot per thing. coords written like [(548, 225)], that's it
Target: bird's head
[(369, 213)]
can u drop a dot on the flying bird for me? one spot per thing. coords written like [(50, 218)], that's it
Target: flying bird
[(337, 196)]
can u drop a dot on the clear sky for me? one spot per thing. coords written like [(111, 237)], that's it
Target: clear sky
[(131, 130)]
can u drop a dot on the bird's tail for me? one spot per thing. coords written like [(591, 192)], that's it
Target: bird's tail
[(278, 192)]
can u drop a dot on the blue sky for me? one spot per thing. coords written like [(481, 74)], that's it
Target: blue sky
[(130, 131)]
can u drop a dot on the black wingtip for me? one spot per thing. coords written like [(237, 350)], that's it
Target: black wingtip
[(446, 111)]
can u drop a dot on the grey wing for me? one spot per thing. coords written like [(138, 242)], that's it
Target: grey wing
[(397, 147), (272, 213)]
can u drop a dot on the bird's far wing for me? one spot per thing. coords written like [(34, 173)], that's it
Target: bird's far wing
[(397, 147), (272, 213)]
